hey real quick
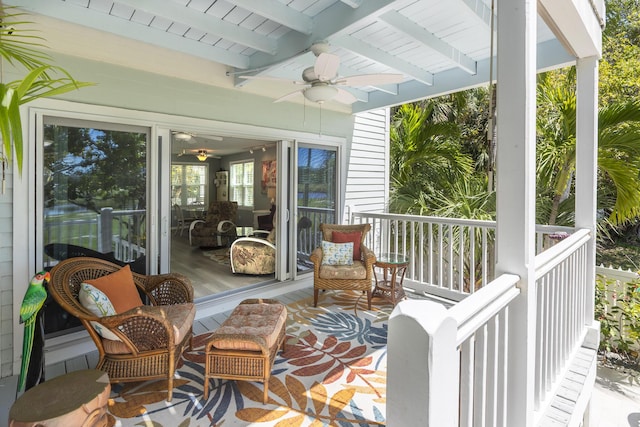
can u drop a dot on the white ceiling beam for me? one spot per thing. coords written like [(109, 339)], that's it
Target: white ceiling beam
[(67, 11), (204, 22), (336, 20), (551, 55), (481, 10), (420, 34), (352, 3), (278, 12), (577, 24), (360, 48), (391, 89)]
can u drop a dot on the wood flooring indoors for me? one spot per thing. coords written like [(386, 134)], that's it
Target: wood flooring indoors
[(208, 269)]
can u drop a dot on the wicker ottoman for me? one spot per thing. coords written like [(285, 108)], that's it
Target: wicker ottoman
[(245, 345)]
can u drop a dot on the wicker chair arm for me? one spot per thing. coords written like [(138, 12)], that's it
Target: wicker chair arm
[(168, 289), (142, 328), (367, 255), (316, 256)]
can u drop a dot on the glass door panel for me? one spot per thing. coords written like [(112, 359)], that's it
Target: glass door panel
[(316, 199), (93, 197)]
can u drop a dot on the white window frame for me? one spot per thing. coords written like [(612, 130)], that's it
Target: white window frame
[(243, 186), (204, 187)]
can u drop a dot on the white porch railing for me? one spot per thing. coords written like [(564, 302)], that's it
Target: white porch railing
[(309, 236), (120, 232), (458, 363), (561, 310), (449, 257)]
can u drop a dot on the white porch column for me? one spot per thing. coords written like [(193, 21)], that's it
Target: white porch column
[(515, 235), (422, 366), (587, 161)]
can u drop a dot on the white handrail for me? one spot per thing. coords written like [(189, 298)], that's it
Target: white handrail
[(475, 310), (547, 260)]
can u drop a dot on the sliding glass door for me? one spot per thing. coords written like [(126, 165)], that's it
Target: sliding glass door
[(93, 197), (317, 198)]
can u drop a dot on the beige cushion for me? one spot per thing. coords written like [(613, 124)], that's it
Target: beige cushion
[(251, 320), (355, 271), (179, 315)]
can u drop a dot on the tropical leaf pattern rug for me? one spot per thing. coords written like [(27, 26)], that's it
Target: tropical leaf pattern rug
[(332, 373)]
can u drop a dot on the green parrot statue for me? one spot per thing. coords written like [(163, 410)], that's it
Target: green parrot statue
[(32, 302)]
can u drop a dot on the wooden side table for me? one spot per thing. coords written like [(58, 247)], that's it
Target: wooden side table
[(393, 268), (76, 399)]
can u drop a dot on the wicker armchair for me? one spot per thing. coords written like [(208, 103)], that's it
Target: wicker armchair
[(358, 276), (148, 348)]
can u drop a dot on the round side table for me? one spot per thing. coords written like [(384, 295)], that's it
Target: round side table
[(76, 399), (389, 286)]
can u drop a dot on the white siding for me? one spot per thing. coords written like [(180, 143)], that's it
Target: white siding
[(367, 187), (6, 274)]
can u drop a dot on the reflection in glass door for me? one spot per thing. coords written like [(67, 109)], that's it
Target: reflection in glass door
[(94, 200), (317, 195)]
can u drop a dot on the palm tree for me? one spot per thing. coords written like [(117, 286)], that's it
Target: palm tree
[(425, 153), (618, 151)]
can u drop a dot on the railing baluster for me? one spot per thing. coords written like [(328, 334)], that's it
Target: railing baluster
[(443, 255), (467, 351)]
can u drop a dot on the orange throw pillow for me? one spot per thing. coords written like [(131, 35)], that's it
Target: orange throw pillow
[(355, 237), (119, 288)]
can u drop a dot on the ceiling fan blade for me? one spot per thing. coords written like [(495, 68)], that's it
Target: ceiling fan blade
[(289, 95), (210, 137), (344, 96), (273, 79), (370, 79), (326, 66)]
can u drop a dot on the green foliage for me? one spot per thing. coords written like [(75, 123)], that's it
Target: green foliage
[(432, 164), (618, 152), (619, 77), (19, 47), (95, 168), (620, 320)]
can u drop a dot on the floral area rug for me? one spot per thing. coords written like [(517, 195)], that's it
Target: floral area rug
[(332, 373), (221, 256)]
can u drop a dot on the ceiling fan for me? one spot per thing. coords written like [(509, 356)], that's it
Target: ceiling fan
[(188, 136), (322, 80), (201, 154)]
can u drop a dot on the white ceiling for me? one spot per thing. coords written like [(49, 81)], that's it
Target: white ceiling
[(437, 45)]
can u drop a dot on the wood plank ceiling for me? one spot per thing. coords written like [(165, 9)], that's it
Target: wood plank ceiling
[(436, 45)]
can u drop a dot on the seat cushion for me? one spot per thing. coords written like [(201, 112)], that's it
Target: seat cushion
[(261, 319), (179, 315), (355, 271)]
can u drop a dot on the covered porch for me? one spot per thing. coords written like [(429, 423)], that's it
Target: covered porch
[(522, 317)]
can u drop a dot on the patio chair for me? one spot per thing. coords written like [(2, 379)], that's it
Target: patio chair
[(217, 228), (356, 276), (135, 342), (254, 255)]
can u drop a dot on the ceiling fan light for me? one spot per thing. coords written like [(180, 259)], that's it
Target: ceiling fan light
[(182, 136), (202, 155), (320, 93)]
